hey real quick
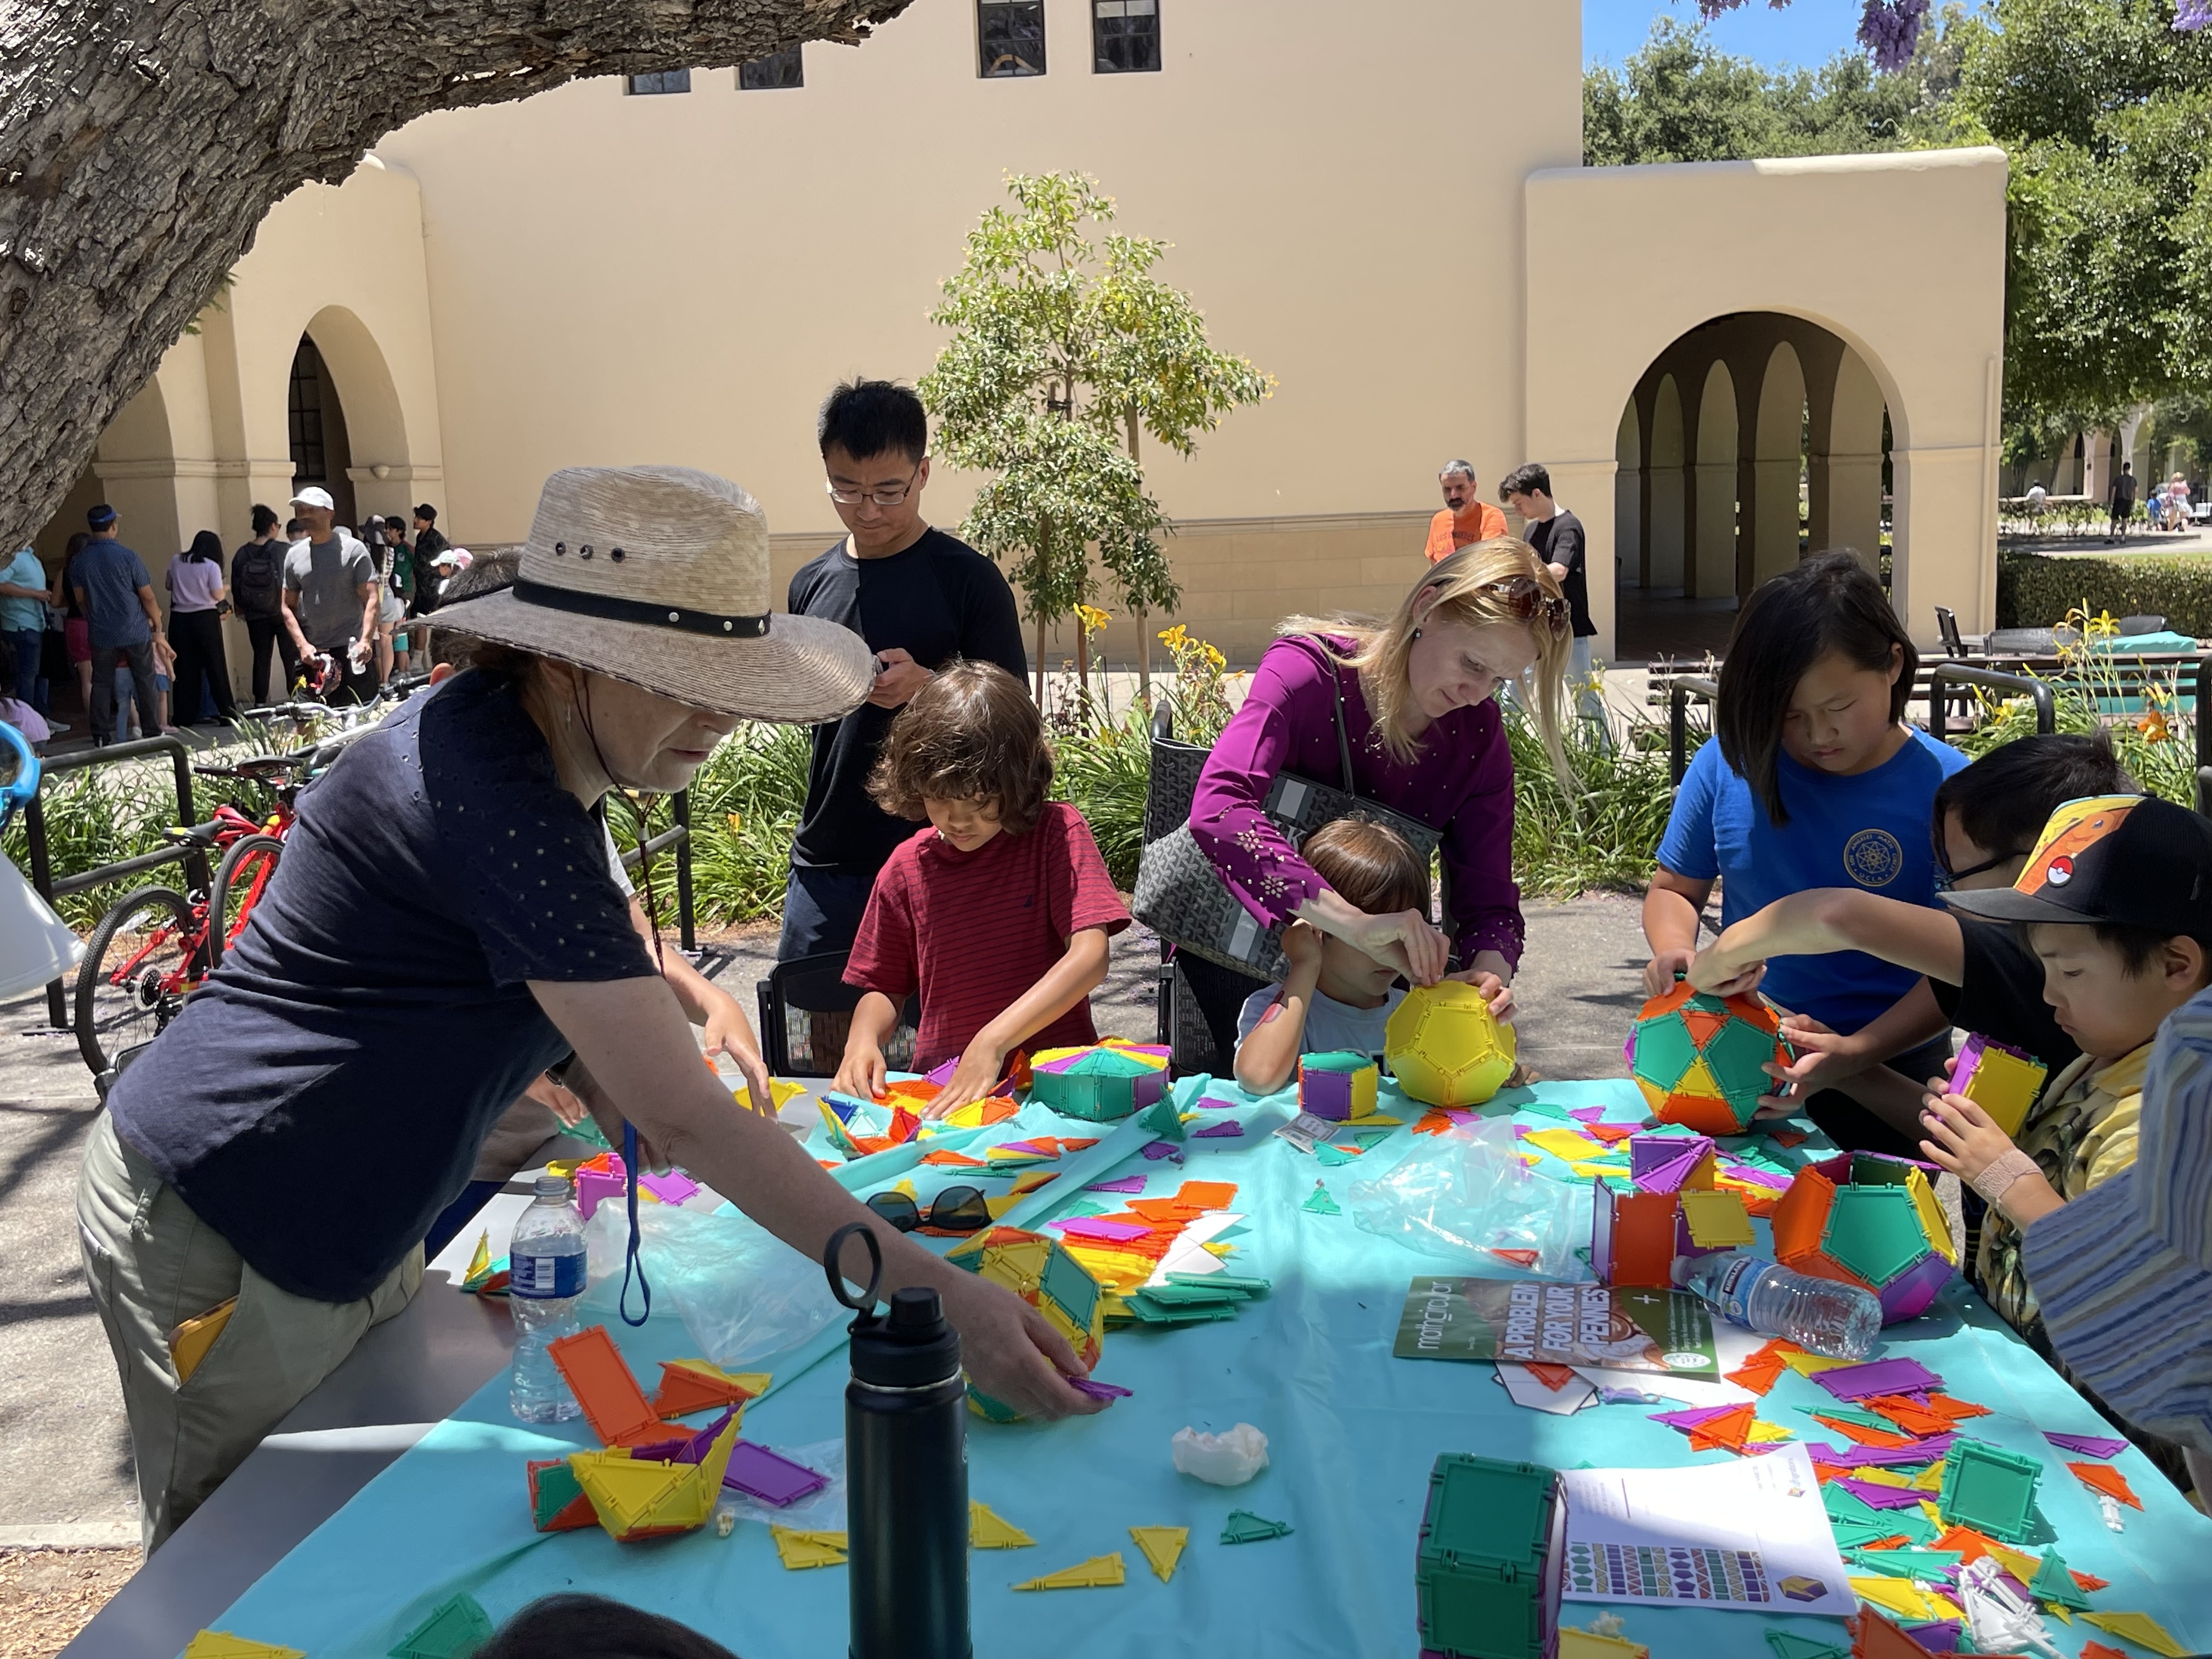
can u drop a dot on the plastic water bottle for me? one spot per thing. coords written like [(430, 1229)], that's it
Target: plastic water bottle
[(1840, 1321), (546, 1264)]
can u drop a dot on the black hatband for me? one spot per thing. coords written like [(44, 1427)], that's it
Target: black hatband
[(641, 610)]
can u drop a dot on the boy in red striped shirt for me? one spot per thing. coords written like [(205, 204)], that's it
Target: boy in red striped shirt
[(998, 913)]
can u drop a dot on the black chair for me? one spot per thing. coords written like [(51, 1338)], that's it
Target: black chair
[(2130, 627), (1181, 1027), (805, 1008), (1947, 625)]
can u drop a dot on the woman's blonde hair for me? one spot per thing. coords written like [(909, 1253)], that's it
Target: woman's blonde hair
[(1462, 588)]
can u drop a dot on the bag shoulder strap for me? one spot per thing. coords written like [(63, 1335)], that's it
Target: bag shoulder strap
[(1325, 655)]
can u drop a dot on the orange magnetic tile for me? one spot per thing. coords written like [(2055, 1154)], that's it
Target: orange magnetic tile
[(1612, 1133), (597, 1376), (1896, 1542), (1433, 1122), (2089, 1581), (1822, 1266), (2099, 1650), (1774, 1348), (683, 1390), (1802, 1215), (2110, 1481), (1873, 1637), (1206, 1195), (1957, 1410), (1703, 1027), (1554, 1377), (1761, 1207), (1908, 1415), (1162, 1212), (1681, 992), (1863, 1435), (1757, 1377), (1708, 1114), (945, 1155), (1077, 1144), (1788, 1137)]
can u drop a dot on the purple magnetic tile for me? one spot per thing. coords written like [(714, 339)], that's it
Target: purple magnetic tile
[(1587, 1113), (1692, 1418), (1660, 1163), (595, 1187), (2095, 1445), (1669, 1176), (1913, 1292), (1091, 1226), (1108, 1392), (1119, 1184), (1228, 1129), (662, 1451), (1756, 1177), (1876, 1377), (1156, 1150), (695, 1450), (1930, 1450), (1821, 1452), (1879, 1496), (1940, 1637), (1325, 1094), (1056, 1067), (777, 1481), (1522, 1131), (2015, 1586), (943, 1074), (672, 1188), (1149, 1089)]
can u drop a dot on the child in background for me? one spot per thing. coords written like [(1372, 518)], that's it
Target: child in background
[(1812, 779), (1336, 997), (1981, 976), (2116, 899), (998, 913), (20, 715)]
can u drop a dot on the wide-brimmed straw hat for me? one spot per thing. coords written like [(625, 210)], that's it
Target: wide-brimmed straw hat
[(658, 575)]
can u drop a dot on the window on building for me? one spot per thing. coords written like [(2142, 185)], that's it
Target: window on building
[(1125, 35), (1010, 36), (778, 68), (667, 80), (304, 405)]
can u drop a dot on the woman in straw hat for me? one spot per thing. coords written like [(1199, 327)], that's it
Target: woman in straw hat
[(267, 1168), (1418, 696)]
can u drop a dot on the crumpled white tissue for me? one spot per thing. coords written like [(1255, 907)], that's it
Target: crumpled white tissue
[(1229, 1459)]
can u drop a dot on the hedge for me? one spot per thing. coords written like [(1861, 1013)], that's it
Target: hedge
[(2037, 590)]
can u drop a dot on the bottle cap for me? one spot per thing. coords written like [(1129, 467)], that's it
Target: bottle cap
[(912, 1347), (552, 1186)]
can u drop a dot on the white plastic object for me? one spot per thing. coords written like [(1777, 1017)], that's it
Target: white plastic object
[(2002, 1621), (2109, 1507), (1229, 1459)]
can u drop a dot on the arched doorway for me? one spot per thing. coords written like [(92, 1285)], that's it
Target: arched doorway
[(1752, 438), (322, 453)]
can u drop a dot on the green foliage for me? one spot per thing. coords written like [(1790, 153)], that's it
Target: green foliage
[(745, 803), (2037, 590), (1681, 99), (1102, 772), (2152, 730), (2107, 112), (1610, 838), (1065, 347)]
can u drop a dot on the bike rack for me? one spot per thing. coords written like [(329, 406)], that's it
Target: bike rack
[(193, 858)]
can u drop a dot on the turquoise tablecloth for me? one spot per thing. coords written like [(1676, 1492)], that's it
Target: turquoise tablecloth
[(1352, 1433)]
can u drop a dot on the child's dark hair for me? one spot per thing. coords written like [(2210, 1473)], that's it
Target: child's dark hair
[(1828, 603), (574, 1627), (2003, 799), (970, 734), (1369, 865), (868, 418), (2138, 946)]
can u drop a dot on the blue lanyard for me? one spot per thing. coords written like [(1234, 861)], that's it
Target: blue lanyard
[(630, 1262)]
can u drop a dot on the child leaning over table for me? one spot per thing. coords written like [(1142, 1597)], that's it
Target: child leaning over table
[(2116, 900), (998, 913), (1336, 997)]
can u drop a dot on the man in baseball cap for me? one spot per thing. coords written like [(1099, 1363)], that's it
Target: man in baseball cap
[(2116, 898), (330, 592)]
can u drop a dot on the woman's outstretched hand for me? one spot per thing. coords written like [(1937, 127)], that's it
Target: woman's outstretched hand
[(1405, 938)]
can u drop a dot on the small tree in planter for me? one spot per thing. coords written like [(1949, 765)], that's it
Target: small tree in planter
[(1064, 350)]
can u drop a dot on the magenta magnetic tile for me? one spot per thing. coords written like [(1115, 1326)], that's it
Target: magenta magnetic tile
[(672, 1188), (1108, 1392), (1091, 1226), (1879, 1496), (1694, 1417), (1877, 1377), (1119, 1184), (1228, 1129), (1913, 1292), (1587, 1113), (759, 1473), (1156, 1150), (2095, 1446)]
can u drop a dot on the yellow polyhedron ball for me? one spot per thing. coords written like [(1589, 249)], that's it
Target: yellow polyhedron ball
[(1446, 1047)]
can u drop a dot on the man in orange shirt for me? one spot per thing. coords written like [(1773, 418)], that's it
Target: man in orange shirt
[(1466, 519)]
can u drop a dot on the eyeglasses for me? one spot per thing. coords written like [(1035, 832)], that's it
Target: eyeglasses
[(1946, 878), (1523, 599), (891, 495), (955, 1210)]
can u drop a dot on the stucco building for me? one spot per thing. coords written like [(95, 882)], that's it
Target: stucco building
[(1405, 239)]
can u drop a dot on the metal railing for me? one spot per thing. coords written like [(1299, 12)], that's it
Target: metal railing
[(192, 856), (1947, 672), (677, 835), (1680, 687)]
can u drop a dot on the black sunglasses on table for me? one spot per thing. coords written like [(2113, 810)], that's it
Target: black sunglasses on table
[(955, 1210)]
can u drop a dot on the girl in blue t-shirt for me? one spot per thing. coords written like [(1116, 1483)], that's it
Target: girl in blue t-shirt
[(1813, 780)]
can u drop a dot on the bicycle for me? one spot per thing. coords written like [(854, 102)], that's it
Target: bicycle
[(155, 945)]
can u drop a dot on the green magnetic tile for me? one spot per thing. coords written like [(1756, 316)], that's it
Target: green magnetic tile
[(1843, 1505), (1664, 1050), (1857, 1534), (1734, 1056), (1330, 1157), (1874, 1231), (1547, 1109), (1843, 1413), (1928, 1565), (1989, 1489), (1876, 1172), (1066, 1282)]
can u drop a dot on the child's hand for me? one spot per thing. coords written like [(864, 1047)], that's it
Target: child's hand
[(1495, 991), (1960, 1136), (1301, 943), (973, 1079), (1406, 939), (1714, 972), (1659, 972), (861, 1074), (1825, 1058)]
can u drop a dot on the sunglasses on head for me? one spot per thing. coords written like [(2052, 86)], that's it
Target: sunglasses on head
[(955, 1210), (1523, 599)]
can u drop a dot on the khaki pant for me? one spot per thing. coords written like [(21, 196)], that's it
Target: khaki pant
[(154, 1267)]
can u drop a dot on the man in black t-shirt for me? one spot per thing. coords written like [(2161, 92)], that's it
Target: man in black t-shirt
[(2123, 498), (921, 599), (1557, 536)]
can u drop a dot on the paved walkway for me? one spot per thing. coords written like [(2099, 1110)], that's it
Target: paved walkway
[(64, 1455)]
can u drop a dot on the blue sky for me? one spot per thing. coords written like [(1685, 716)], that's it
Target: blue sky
[(1807, 33)]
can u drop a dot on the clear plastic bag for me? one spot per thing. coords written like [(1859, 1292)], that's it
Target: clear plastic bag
[(742, 1293), (1467, 1195)]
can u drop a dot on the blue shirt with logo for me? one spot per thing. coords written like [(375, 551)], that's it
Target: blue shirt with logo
[(1870, 830)]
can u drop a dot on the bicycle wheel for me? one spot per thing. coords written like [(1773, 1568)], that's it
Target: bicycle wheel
[(240, 881), (134, 974)]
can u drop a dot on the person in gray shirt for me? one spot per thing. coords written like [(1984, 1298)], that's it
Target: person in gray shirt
[(330, 593)]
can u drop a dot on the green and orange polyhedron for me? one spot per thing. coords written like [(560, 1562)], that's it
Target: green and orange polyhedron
[(1698, 1058)]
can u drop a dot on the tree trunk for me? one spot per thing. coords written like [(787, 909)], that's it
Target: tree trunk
[(1040, 671), (1083, 658), (142, 143), (1144, 628)]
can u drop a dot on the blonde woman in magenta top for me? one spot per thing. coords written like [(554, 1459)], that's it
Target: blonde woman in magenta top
[(1427, 740)]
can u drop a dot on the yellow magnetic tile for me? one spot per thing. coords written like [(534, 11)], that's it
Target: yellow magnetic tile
[(1716, 1220)]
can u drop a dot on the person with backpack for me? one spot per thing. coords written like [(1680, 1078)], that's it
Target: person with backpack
[(257, 592)]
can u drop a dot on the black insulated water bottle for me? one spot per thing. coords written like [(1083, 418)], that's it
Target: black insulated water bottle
[(906, 1472)]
